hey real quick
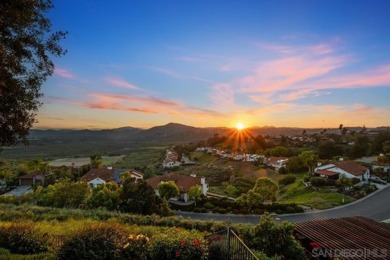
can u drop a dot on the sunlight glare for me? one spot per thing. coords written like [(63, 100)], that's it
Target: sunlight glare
[(240, 126)]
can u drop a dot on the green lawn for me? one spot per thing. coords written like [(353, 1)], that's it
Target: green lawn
[(322, 199)]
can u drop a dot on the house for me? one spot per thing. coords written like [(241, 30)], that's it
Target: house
[(183, 182), (344, 238), (276, 162), (33, 178), (350, 169), (185, 160), (171, 160), (98, 176)]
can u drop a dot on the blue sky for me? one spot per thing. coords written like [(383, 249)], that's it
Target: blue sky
[(214, 63)]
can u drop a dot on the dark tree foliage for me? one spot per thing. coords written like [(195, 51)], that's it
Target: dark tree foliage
[(328, 150), (26, 42), (139, 197)]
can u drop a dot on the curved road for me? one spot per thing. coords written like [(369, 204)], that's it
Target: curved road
[(374, 206)]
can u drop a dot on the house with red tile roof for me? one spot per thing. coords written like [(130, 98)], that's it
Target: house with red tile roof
[(350, 169), (276, 162), (98, 176), (183, 182)]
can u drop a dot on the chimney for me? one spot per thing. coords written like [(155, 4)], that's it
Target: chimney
[(203, 180)]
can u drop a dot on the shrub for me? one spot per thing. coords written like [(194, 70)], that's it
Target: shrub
[(98, 241), (218, 250), (178, 243), (318, 181), (287, 180), (136, 247), (22, 238), (208, 205)]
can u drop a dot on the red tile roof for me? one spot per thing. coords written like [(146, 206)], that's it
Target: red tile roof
[(183, 182), (275, 159), (351, 167), (102, 173), (31, 175), (327, 173), (351, 233)]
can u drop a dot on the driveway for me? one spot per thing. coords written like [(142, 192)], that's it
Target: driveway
[(19, 191), (374, 206)]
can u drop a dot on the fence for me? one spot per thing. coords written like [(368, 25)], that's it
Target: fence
[(227, 245)]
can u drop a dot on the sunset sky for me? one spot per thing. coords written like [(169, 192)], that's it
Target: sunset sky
[(214, 63)]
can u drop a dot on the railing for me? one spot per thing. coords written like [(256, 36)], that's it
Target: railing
[(227, 245)]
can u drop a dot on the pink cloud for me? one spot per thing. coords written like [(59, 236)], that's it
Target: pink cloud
[(281, 74), (375, 77), (63, 73), (117, 82), (145, 104)]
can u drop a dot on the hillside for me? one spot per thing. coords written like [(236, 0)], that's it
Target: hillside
[(72, 143)]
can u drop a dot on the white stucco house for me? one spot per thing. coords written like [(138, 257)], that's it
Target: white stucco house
[(350, 169), (97, 176), (183, 182)]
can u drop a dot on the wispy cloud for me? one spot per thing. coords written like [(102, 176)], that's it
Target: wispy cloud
[(61, 72), (177, 75), (222, 95), (145, 104), (188, 59), (120, 83)]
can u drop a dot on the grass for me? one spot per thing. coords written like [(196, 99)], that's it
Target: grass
[(142, 158), (298, 193), (217, 190), (107, 160), (202, 157)]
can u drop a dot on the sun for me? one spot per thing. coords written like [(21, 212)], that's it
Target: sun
[(240, 126)]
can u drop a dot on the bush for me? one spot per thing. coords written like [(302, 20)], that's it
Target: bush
[(178, 243), (318, 181), (22, 238), (287, 180), (136, 247), (99, 241)]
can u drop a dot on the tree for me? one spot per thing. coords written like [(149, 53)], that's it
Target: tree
[(264, 189), (276, 239), (96, 161), (328, 150), (310, 159), (296, 164), (139, 197), (26, 42), (195, 193), (168, 189), (64, 194), (230, 190), (278, 151), (105, 195)]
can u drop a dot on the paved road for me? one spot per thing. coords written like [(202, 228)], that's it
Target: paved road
[(375, 206)]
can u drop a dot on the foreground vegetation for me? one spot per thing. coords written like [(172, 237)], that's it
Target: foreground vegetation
[(35, 232)]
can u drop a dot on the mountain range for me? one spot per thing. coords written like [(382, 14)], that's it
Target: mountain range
[(49, 143)]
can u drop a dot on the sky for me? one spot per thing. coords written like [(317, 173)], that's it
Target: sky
[(310, 64)]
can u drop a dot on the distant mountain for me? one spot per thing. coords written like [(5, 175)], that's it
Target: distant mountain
[(174, 132), (83, 135), (169, 133)]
